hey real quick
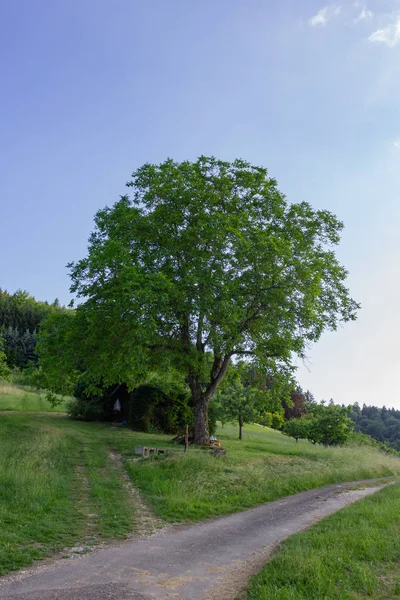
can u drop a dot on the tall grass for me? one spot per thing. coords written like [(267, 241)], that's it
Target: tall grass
[(37, 488), (263, 467), (59, 486)]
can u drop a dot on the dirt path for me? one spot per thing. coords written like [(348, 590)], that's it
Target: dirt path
[(208, 561), (146, 522)]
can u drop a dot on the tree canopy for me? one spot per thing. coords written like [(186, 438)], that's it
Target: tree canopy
[(206, 262), (328, 425)]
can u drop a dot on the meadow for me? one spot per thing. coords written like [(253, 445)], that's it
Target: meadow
[(65, 482), (23, 398)]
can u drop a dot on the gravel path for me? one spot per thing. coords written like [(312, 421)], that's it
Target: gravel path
[(208, 561)]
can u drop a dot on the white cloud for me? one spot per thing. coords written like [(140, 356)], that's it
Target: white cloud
[(390, 35), (397, 144), (324, 15), (321, 18), (364, 15)]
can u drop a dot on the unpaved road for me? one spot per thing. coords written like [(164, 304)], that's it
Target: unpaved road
[(208, 561)]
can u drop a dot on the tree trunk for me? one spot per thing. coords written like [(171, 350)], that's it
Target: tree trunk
[(240, 427), (200, 407), (201, 433), (201, 399)]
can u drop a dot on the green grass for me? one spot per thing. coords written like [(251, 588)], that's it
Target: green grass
[(22, 398), (351, 555), (37, 492), (60, 484), (264, 466)]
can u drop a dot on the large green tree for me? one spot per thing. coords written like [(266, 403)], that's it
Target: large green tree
[(206, 262)]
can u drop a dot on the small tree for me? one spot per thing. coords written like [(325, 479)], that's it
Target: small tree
[(239, 403), (330, 425), (296, 408), (298, 428)]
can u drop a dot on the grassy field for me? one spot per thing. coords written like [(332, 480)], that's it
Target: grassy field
[(351, 555), (264, 466), (14, 397), (64, 482)]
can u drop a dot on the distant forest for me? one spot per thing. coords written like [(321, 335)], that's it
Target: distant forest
[(383, 424), (20, 319)]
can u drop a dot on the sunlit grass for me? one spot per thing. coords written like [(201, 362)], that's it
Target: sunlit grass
[(15, 397)]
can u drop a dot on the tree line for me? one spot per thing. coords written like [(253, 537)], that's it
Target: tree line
[(383, 424)]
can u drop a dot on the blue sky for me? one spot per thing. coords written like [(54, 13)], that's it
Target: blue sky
[(92, 89)]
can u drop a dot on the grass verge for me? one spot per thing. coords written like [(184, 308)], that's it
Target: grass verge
[(351, 555)]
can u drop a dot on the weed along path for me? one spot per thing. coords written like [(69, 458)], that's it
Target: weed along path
[(208, 561)]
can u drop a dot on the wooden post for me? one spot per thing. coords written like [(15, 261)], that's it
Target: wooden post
[(186, 438)]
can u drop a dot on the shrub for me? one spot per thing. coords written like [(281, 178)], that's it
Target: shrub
[(298, 428), (152, 410)]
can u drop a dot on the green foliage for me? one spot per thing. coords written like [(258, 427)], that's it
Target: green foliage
[(357, 438), (152, 410), (5, 372), (383, 424), (20, 320), (90, 408), (206, 260), (247, 397), (19, 347), (265, 419), (22, 312), (328, 425), (61, 351), (278, 420), (299, 429), (239, 403), (149, 407)]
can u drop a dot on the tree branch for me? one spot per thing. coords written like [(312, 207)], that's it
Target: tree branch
[(218, 371), (199, 337)]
